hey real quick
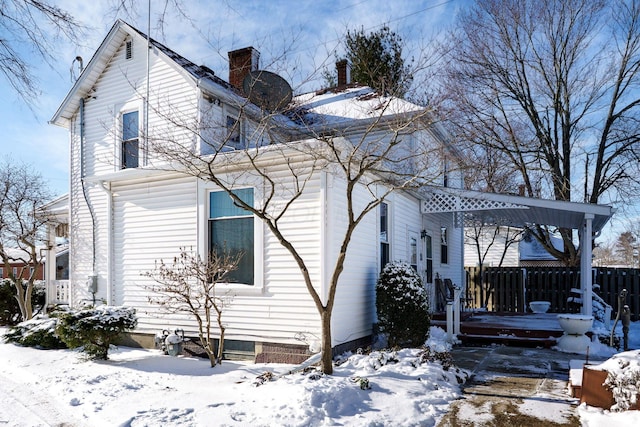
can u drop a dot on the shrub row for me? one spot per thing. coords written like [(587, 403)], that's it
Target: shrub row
[(93, 330)]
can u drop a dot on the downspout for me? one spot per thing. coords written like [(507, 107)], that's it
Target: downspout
[(145, 157), (86, 197)]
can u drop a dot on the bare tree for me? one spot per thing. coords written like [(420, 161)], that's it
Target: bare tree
[(390, 149), (604, 255), (552, 85), (188, 285), (22, 192), (31, 26), (488, 238)]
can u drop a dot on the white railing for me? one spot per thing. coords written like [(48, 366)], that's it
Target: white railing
[(58, 292)]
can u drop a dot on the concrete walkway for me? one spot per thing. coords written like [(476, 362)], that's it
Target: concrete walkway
[(513, 386)]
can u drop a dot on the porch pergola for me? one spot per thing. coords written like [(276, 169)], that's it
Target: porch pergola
[(522, 212)]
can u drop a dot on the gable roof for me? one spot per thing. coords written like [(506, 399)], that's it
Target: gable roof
[(326, 111), (101, 58)]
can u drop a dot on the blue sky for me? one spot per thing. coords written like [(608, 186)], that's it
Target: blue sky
[(308, 30)]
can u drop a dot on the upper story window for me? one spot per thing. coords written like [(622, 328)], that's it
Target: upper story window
[(384, 235), (130, 150), (234, 135), (233, 131), (231, 231)]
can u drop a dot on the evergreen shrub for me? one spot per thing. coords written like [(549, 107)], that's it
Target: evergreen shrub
[(402, 306), (39, 332), (96, 329)]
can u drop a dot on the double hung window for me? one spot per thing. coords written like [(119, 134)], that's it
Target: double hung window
[(231, 231), (130, 151)]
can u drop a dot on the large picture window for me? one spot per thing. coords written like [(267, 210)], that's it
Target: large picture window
[(231, 231), (130, 147)]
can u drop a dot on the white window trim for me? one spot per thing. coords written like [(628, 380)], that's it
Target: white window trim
[(120, 110), (229, 111), (258, 244)]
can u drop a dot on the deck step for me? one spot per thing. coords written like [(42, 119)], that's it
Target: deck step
[(507, 340)]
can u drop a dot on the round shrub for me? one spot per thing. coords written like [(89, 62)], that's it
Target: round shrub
[(402, 306), (95, 329)]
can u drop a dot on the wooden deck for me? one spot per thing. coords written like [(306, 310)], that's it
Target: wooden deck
[(518, 329)]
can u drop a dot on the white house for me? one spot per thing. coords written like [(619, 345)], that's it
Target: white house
[(134, 199), (502, 246)]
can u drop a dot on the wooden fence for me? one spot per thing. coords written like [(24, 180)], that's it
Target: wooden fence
[(509, 289)]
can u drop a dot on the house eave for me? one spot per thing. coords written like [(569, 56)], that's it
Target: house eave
[(90, 74)]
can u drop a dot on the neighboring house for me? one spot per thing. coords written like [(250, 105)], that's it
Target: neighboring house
[(510, 247), (128, 210), (533, 254), (19, 267)]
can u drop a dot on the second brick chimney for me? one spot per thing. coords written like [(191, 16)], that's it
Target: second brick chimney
[(344, 72), (242, 62)]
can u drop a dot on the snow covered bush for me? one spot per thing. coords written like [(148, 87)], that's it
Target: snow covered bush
[(623, 379), (95, 329), (39, 332), (402, 306)]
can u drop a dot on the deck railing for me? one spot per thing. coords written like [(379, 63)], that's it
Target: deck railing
[(509, 289), (58, 292)]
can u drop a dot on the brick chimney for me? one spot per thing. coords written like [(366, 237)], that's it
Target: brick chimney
[(344, 72), (242, 62)]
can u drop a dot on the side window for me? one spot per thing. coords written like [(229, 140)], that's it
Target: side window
[(1, 272), (231, 231), (130, 152), (15, 272), (428, 257), (384, 235), (413, 251), (444, 247)]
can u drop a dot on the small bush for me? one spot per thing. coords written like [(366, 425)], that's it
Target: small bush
[(39, 332), (95, 329), (402, 306)]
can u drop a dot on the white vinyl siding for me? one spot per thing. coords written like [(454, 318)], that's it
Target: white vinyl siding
[(123, 83)]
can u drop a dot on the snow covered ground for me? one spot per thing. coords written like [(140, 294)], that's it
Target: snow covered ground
[(139, 387)]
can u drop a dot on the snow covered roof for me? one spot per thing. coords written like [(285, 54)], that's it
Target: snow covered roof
[(532, 250), (319, 111), (338, 106)]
